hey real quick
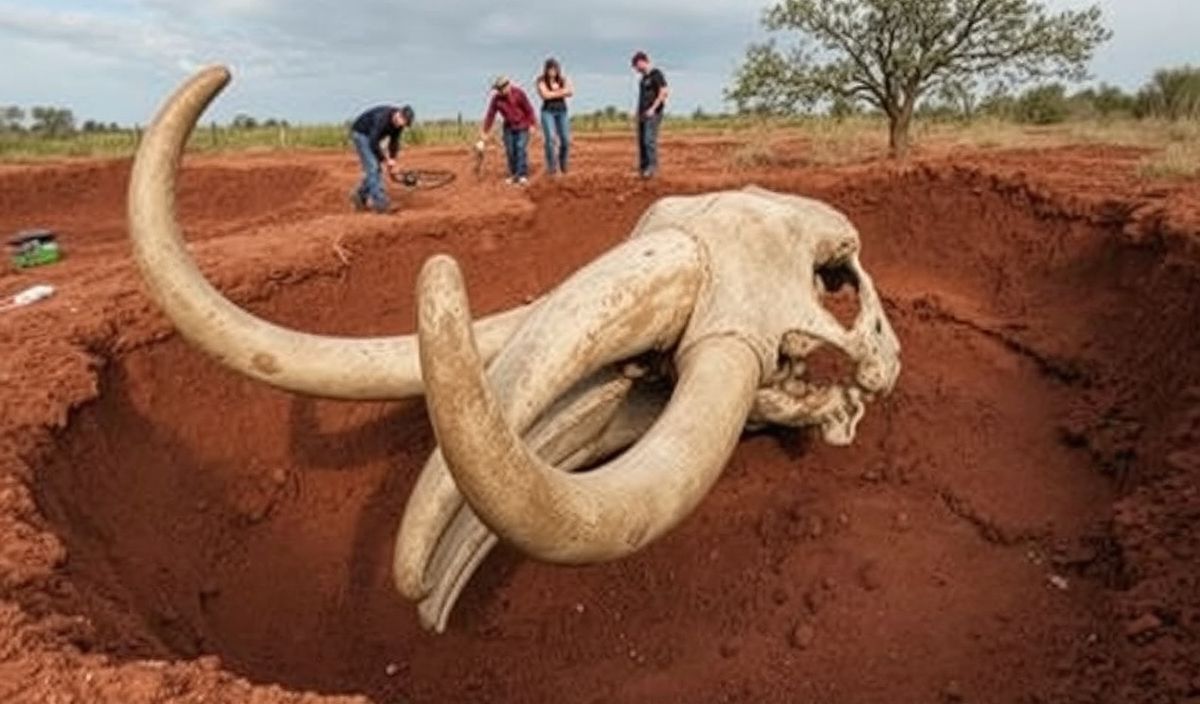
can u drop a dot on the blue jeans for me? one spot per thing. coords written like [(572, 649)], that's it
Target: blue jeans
[(556, 123), (371, 189), (648, 144), (516, 145)]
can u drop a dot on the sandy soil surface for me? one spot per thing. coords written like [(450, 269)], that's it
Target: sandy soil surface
[(1018, 523)]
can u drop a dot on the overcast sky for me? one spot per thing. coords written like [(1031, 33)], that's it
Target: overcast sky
[(323, 60)]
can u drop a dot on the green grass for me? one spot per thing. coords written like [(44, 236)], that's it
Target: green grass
[(209, 138), (759, 142)]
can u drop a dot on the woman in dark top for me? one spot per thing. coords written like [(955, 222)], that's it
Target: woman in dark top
[(554, 88)]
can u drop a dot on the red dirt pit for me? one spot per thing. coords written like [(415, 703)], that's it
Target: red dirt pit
[(1016, 524)]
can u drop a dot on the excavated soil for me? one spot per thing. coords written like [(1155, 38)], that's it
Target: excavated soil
[(1016, 524)]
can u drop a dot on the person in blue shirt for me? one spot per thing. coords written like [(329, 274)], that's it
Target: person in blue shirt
[(367, 133)]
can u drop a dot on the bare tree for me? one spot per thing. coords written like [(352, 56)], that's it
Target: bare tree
[(11, 117), (891, 53)]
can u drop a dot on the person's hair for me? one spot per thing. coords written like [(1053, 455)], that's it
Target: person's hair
[(552, 63), (640, 56), (409, 116)]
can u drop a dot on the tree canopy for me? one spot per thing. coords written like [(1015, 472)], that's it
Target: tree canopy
[(890, 54)]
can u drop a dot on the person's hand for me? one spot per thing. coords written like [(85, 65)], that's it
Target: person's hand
[(649, 115), (392, 167)]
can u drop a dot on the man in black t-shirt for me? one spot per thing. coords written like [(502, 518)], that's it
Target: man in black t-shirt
[(367, 133), (652, 99)]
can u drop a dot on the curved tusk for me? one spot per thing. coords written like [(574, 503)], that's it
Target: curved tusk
[(335, 367), (605, 514), (638, 297), (598, 423)]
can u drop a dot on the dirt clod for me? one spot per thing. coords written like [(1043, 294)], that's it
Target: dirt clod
[(1145, 624), (802, 636)]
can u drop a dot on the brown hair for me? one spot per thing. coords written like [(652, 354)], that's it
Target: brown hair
[(552, 63)]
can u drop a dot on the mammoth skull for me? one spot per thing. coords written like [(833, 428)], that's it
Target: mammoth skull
[(644, 367)]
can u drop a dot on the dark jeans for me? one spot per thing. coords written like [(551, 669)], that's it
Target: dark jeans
[(648, 144), (516, 145), (556, 123), (371, 189)]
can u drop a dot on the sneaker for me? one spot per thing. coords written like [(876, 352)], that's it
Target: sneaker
[(510, 180), (356, 200), (522, 181)]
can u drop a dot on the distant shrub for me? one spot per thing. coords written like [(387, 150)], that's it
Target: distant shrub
[(1172, 94), (1043, 105)]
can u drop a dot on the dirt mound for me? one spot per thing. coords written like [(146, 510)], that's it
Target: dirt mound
[(1013, 525), (68, 198)]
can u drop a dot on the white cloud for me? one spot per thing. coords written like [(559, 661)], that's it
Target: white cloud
[(324, 59)]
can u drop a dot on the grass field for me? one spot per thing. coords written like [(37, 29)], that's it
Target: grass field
[(1174, 146), (25, 146)]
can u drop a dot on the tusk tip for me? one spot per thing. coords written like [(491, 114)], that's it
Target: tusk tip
[(441, 271)]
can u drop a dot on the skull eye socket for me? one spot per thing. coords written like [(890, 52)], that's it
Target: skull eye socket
[(839, 287), (836, 275)]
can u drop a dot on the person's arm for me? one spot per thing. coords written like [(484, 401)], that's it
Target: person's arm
[(544, 90), (567, 90), (394, 144), (489, 118)]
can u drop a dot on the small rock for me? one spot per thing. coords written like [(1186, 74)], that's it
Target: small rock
[(1059, 582), (952, 693), (802, 636), (279, 476), (392, 669), (579, 608), (868, 577), (1143, 625), (816, 527), (729, 649), (872, 476), (903, 522), (843, 519)]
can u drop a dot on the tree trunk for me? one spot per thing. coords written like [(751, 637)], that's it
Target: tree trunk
[(899, 122)]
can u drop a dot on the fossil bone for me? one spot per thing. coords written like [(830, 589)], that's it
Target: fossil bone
[(757, 253)]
